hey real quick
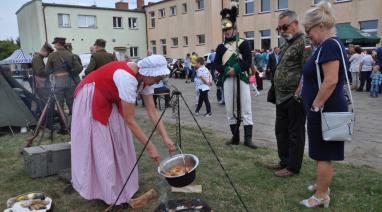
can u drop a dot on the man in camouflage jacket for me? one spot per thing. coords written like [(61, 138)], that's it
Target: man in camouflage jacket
[(290, 117)]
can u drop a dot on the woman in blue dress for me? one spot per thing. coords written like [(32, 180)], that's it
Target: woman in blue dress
[(319, 23)]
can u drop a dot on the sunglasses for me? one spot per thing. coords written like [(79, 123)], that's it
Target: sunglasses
[(307, 30), (284, 27), (226, 29)]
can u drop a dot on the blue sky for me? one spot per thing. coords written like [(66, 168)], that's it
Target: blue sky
[(8, 8)]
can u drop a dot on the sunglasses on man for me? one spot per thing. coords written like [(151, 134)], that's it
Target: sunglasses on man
[(284, 27), (226, 29)]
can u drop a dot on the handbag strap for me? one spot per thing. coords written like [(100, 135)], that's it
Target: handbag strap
[(346, 73)]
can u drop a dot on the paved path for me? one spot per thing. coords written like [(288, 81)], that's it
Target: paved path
[(365, 149)]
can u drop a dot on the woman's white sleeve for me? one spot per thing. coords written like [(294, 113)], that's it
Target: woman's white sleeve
[(126, 85)]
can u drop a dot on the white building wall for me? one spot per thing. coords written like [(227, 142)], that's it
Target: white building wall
[(31, 27), (83, 38), (32, 30)]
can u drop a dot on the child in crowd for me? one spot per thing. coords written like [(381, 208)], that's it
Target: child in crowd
[(252, 80), (203, 81), (376, 81)]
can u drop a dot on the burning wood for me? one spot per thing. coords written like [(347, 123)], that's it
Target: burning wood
[(195, 205), (144, 199)]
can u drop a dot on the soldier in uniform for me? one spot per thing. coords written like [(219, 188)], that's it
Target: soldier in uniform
[(230, 65), (100, 57), (62, 65), (41, 83), (69, 47)]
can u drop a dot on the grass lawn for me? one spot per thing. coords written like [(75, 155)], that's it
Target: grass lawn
[(353, 189)]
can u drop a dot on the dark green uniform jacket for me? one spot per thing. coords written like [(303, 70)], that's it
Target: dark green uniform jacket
[(98, 59), (226, 58)]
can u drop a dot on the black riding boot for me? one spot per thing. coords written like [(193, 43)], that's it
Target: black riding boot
[(248, 137), (235, 140)]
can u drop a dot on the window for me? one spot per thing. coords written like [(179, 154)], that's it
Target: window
[(184, 7), (282, 4), (63, 20), (162, 13), (117, 22), (163, 45), (250, 37), (249, 7), (133, 52), (152, 19), (316, 2), (185, 41), (174, 42), (133, 23), (88, 21), (370, 27), (200, 4), (153, 46), (201, 39), (265, 6), (173, 10), (265, 39)]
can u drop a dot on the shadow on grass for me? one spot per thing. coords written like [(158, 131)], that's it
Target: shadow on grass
[(353, 189)]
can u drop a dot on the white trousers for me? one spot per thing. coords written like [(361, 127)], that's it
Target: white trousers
[(230, 93)]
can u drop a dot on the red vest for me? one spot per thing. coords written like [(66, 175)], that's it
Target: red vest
[(105, 90)]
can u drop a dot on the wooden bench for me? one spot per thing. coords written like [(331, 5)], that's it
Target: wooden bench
[(160, 96)]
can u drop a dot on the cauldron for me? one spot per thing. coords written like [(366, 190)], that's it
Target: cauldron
[(181, 160)]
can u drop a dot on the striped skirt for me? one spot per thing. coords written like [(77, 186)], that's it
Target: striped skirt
[(102, 156)]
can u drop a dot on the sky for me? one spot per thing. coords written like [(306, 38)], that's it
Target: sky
[(8, 8)]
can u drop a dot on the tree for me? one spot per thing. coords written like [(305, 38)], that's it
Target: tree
[(7, 47), (18, 42)]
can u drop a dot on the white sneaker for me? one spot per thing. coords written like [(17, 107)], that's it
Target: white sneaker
[(196, 113), (257, 93), (207, 115)]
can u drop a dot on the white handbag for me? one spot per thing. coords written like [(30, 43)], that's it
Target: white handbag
[(337, 126)]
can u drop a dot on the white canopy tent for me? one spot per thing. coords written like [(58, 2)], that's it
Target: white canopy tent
[(17, 57)]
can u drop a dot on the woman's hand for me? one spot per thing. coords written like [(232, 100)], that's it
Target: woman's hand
[(170, 145), (153, 153)]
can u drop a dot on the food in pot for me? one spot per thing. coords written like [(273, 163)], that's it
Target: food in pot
[(177, 170)]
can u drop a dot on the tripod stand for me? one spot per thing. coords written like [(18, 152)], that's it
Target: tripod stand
[(48, 114), (178, 95)]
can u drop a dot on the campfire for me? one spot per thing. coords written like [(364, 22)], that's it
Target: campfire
[(195, 205)]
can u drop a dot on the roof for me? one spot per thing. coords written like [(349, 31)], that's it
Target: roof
[(80, 7), (350, 34), (17, 57), (156, 3)]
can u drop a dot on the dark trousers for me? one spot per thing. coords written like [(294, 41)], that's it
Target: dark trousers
[(203, 97), (290, 134), (64, 90), (365, 77), (160, 91), (259, 82)]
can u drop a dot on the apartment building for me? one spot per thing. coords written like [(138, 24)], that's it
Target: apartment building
[(123, 29), (177, 27)]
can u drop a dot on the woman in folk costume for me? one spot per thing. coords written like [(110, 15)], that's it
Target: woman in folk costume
[(103, 126), (230, 65)]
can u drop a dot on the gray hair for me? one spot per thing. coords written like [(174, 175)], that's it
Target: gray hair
[(292, 15)]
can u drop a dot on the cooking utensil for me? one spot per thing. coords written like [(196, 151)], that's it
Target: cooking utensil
[(185, 160)]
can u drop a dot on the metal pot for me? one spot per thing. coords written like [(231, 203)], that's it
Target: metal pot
[(178, 160)]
